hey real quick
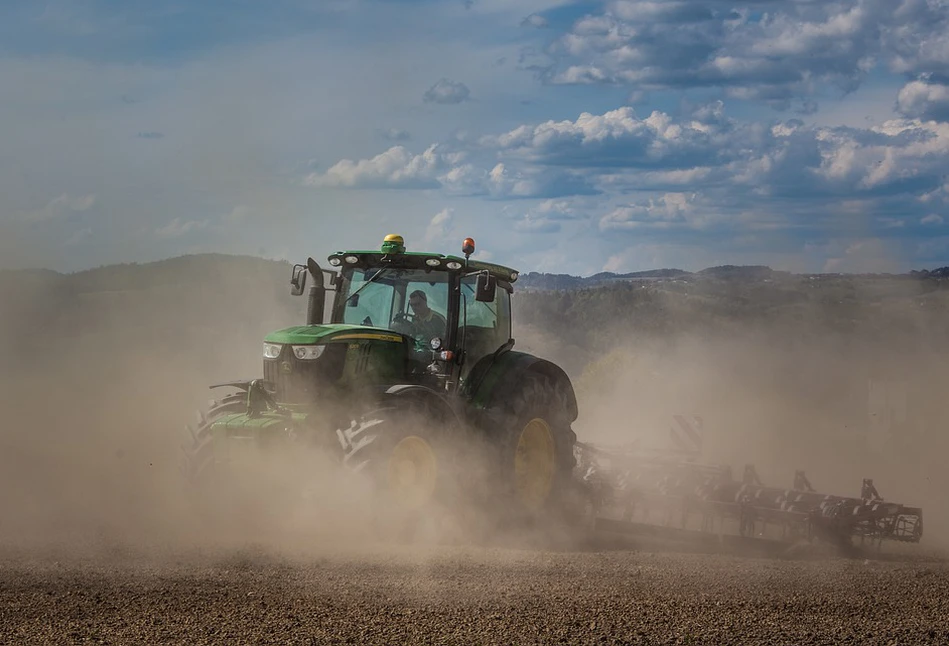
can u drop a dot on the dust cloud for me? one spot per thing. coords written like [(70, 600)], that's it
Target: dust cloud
[(845, 386), (102, 370)]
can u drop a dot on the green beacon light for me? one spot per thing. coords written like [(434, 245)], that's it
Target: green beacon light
[(393, 243)]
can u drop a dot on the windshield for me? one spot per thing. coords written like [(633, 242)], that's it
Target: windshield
[(409, 301)]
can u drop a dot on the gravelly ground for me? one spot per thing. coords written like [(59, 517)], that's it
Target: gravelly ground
[(470, 596)]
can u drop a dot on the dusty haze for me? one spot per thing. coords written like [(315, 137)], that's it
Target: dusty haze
[(101, 370)]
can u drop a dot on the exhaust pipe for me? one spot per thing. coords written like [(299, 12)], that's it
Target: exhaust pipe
[(316, 299)]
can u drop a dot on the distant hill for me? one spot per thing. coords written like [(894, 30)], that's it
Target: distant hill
[(534, 281), (220, 295), (942, 272), (543, 281)]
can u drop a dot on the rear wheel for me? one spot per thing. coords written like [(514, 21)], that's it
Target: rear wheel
[(536, 459)]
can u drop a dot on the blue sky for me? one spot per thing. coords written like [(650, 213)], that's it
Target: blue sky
[(564, 136)]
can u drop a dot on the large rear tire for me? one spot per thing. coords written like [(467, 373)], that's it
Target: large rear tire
[(536, 455)]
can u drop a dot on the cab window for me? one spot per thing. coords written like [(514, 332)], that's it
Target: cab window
[(379, 297), (484, 326)]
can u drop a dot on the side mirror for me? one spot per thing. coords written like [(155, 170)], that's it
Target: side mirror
[(487, 286), (297, 280)]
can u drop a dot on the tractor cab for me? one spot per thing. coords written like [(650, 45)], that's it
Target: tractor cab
[(451, 311)]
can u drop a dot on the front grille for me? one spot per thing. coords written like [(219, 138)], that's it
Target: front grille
[(299, 382)]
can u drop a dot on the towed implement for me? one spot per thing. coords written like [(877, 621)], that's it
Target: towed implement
[(679, 499)]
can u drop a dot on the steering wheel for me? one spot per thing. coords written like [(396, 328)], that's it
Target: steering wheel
[(403, 323)]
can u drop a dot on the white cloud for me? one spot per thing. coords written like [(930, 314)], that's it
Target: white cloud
[(583, 75), (395, 168), (532, 224), (776, 52), (663, 212), (61, 206), (692, 172), (178, 228), (79, 236), (536, 21), (932, 218), (447, 92), (549, 215), (922, 100), (616, 138), (396, 134), (439, 227), (239, 214)]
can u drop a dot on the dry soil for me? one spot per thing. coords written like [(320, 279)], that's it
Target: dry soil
[(467, 595)]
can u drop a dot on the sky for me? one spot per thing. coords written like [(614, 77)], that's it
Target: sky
[(564, 136)]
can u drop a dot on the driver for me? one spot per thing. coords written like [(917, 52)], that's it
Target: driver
[(427, 322)]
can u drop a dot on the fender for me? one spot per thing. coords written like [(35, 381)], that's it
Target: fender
[(241, 384), (431, 398), (494, 375)]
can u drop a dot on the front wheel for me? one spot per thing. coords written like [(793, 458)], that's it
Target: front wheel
[(405, 455)]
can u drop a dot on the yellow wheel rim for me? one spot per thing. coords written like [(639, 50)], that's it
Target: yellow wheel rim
[(413, 469), (534, 463)]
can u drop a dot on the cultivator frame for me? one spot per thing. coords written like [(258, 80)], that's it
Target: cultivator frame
[(673, 496)]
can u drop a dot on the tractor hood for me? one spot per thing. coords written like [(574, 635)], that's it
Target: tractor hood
[(314, 334)]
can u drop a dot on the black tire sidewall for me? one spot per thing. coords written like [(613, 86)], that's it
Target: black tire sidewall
[(537, 398)]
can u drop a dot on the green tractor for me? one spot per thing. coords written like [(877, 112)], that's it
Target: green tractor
[(412, 379)]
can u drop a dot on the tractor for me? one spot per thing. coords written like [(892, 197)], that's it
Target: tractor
[(410, 378)]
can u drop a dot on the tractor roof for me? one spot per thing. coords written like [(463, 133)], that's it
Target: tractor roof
[(393, 253)]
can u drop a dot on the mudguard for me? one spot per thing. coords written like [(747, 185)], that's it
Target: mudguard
[(434, 400), (497, 374)]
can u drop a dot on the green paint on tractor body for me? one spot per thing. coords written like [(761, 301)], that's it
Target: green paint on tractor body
[(318, 334)]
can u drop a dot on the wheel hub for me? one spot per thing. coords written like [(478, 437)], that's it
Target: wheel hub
[(412, 473), (534, 463)]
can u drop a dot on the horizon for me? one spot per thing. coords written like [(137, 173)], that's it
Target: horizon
[(524, 273), (578, 136)]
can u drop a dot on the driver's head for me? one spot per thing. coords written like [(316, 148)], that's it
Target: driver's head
[(418, 301)]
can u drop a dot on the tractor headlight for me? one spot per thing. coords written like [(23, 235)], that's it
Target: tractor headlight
[(436, 344), (454, 264), (271, 350), (308, 352)]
